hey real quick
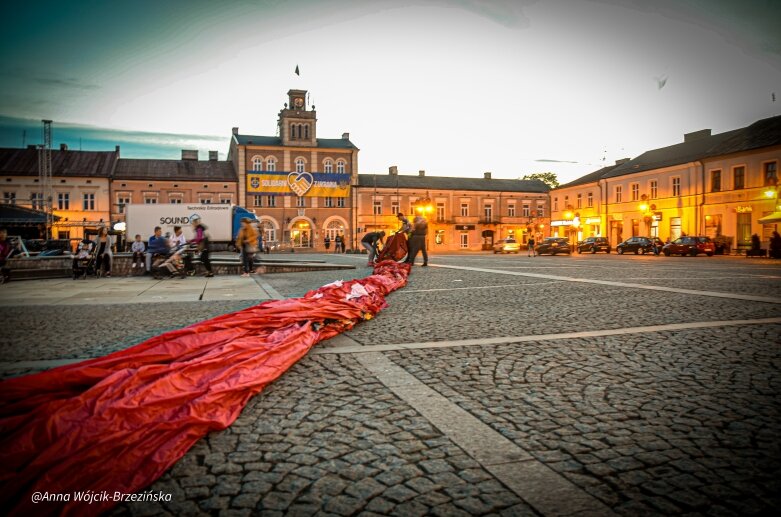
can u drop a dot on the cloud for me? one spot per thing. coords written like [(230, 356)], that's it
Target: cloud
[(70, 82), (547, 160)]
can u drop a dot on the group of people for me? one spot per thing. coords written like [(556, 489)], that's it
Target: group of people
[(338, 243), (416, 240), (172, 250)]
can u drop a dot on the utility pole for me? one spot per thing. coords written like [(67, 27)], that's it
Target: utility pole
[(45, 176)]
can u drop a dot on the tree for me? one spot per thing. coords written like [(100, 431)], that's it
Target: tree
[(549, 178)]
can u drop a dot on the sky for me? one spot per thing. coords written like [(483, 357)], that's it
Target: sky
[(453, 87)]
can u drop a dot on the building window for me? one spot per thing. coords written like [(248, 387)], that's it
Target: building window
[(88, 202), (590, 199), (340, 202), (395, 207), (328, 202), (618, 193), (654, 189), (206, 201), (122, 202), (440, 212), (175, 200), (526, 210), (340, 167), (257, 163), (300, 165), (555, 204), (64, 235), (635, 191), (540, 209), (37, 200), (301, 202), (715, 181), (464, 209), (511, 210), (225, 201), (63, 201), (271, 164), (464, 240), (739, 177), (579, 201), (771, 175), (292, 131), (306, 131), (676, 186), (329, 166), (488, 212), (150, 200), (377, 207), (9, 198), (271, 201), (566, 203), (269, 232)]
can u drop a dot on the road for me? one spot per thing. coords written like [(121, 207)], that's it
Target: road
[(503, 385)]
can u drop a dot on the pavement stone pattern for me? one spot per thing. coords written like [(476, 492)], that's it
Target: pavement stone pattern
[(327, 439), (671, 423), (85, 331)]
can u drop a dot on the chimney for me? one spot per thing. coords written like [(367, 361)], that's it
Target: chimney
[(696, 135), (190, 154), (345, 136), (622, 161), (421, 173), (393, 170), (235, 131), (213, 156), (116, 150), (32, 146), (63, 147), (487, 175)]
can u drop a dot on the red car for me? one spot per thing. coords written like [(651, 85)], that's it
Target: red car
[(690, 246)]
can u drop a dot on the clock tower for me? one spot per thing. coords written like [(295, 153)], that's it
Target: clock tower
[(297, 124)]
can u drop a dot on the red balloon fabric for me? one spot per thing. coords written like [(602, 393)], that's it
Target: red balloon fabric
[(116, 423)]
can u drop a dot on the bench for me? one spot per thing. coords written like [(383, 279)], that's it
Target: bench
[(756, 253)]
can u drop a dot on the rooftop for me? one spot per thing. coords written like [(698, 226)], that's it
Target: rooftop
[(328, 143), (451, 183), (24, 162), (183, 170)]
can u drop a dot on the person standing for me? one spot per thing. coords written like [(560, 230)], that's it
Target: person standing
[(338, 243), (417, 242), (370, 241), (531, 246), (201, 241), (327, 242), (7, 250), (775, 246), (406, 227), (247, 242), (104, 254)]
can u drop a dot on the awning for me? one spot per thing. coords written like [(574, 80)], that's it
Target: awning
[(22, 216), (775, 217)]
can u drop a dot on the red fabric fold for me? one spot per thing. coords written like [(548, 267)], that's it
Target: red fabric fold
[(118, 422)]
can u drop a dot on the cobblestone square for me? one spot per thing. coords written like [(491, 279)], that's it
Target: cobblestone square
[(490, 385)]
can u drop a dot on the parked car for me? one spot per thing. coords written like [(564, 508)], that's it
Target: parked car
[(554, 246), (594, 244), (690, 246), (639, 245), (507, 246)]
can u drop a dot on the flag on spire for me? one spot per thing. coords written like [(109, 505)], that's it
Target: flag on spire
[(297, 72)]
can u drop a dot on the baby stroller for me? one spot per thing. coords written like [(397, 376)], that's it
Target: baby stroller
[(84, 260), (178, 263), (396, 248)]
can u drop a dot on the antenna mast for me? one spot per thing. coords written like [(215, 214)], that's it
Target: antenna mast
[(45, 176)]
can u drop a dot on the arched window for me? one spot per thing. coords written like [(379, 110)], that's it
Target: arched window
[(300, 165), (340, 166), (299, 131), (269, 232), (271, 164), (306, 131), (333, 229), (292, 131), (257, 163), (328, 166)]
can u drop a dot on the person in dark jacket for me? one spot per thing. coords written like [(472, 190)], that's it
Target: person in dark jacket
[(370, 241), (7, 250), (157, 245), (417, 242), (201, 240)]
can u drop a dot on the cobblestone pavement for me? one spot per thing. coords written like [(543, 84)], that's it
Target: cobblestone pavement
[(657, 422)]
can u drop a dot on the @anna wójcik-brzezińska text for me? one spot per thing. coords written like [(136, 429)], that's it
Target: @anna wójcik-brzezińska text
[(90, 497)]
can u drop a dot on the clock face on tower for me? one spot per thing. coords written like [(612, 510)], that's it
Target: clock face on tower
[(298, 102)]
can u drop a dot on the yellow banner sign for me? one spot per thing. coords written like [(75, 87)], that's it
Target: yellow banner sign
[(301, 184)]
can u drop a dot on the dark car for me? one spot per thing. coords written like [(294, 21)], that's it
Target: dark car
[(639, 245), (594, 244), (690, 246), (554, 246)]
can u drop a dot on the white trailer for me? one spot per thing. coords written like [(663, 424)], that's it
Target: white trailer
[(221, 220)]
